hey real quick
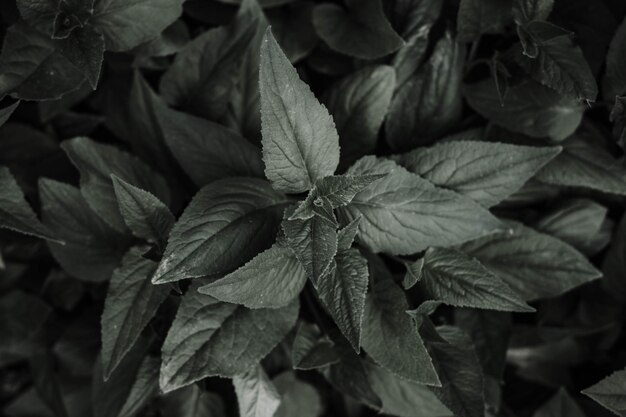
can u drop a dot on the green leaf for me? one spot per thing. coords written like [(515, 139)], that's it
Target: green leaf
[(482, 16), (413, 273), (401, 397), (583, 163), (96, 162), (389, 336), (226, 224), (311, 350), (358, 104), (578, 222), (610, 392), (486, 172), (342, 291), (528, 10), (338, 190), (458, 280), (16, 214), (460, 372), (144, 389), (130, 304), (559, 63), (256, 395), (203, 74), (84, 49), (271, 279), (429, 102), (300, 143), (208, 151), (210, 338), (560, 405), (614, 81), (533, 264), (297, 397), (191, 401), (32, 68), (346, 236), (144, 214), (314, 242), (351, 377), (404, 214), (361, 30), (128, 23), (528, 108), (92, 248), (293, 28)]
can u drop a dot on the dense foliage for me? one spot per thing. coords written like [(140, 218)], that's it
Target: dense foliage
[(313, 208)]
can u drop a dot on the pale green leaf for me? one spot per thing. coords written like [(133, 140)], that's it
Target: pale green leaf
[(256, 394), (610, 392)]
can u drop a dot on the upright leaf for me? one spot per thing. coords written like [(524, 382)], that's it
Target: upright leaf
[(92, 248), (211, 338), (130, 304), (389, 336), (271, 279), (404, 214), (300, 143), (96, 162), (430, 101), (226, 224), (359, 103), (458, 280), (256, 395), (147, 18), (15, 213), (528, 108), (610, 392), (202, 75), (486, 172), (533, 264), (361, 30), (144, 214)]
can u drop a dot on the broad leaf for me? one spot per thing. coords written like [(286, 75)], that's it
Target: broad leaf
[(311, 350), (389, 336), (583, 163), (614, 81), (359, 103), (271, 279), (192, 401), (458, 368), (147, 18), (130, 304), (560, 405), (15, 213), (458, 280), (209, 338), (528, 108), (533, 264), (92, 248), (226, 224), (204, 72), (314, 242), (610, 392), (144, 214), (342, 291), (84, 49), (486, 172), (430, 101), (256, 395), (300, 143), (144, 389), (208, 151), (293, 27), (297, 397), (361, 30), (96, 163), (404, 214)]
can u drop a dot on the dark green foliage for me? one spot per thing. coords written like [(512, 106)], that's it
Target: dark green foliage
[(312, 208)]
